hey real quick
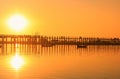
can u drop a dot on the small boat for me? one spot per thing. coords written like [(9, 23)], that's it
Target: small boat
[(47, 45), (81, 46), (0, 46)]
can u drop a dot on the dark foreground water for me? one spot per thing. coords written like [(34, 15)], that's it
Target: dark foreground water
[(61, 62)]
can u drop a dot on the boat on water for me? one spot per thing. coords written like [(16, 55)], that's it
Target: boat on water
[(47, 45), (0, 46), (81, 46)]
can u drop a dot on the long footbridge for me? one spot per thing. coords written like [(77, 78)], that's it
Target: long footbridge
[(37, 43), (58, 40)]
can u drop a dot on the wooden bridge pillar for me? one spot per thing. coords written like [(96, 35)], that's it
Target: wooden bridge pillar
[(2, 44), (25, 43), (6, 44), (11, 44)]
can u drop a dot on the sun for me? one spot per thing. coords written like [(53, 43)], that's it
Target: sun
[(17, 22)]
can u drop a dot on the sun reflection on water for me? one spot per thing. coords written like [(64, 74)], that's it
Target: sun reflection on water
[(17, 61)]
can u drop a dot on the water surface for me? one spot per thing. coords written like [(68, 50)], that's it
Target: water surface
[(61, 62)]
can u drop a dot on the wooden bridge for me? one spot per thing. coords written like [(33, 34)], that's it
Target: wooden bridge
[(58, 40), (34, 43)]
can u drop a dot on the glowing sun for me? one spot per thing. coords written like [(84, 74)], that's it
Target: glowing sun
[(17, 22)]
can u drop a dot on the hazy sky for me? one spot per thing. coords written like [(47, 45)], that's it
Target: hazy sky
[(64, 17)]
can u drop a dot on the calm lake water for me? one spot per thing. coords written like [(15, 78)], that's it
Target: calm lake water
[(60, 62)]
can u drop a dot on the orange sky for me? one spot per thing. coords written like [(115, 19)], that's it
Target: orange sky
[(64, 17)]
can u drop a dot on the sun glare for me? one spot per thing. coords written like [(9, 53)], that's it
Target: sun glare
[(17, 22), (17, 62)]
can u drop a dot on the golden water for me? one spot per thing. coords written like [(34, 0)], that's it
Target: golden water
[(62, 62)]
